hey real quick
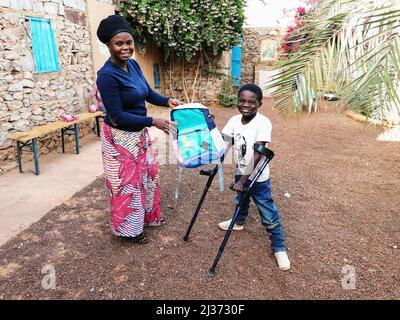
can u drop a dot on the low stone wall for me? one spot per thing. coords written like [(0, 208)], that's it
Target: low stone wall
[(28, 98)]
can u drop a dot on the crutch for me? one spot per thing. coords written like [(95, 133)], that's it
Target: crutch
[(211, 174), (245, 195)]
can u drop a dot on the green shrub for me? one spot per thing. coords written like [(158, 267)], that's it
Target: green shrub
[(228, 94), (185, 27)]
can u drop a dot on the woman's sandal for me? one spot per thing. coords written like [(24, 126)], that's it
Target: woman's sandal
[(140, 239), (162, 222)]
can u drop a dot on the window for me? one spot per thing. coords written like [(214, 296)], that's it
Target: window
[(44, 45), (269, 50), (156, 73)]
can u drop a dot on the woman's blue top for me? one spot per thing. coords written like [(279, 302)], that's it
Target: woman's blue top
[(124, 94)]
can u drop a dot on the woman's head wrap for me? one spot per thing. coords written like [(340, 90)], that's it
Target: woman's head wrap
[(111, 26)]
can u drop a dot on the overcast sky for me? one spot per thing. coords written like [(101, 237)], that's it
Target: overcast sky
[(270, 14)]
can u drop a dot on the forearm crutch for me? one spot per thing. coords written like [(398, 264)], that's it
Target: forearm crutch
[(245, 195), (211, 174)]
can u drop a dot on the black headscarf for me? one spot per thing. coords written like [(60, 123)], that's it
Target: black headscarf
[(112, 25)]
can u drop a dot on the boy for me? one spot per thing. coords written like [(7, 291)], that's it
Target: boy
[(246, 129)]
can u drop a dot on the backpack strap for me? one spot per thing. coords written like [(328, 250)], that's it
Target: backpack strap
[(178, 185), (221, 177)]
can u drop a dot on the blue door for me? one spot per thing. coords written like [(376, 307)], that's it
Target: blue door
[(44, 45), (236, 63)]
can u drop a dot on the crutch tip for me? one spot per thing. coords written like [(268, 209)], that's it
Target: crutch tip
[(185, 238), (211, 273)]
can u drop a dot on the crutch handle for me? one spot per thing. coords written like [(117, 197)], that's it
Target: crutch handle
[(206, 172), (231, 187), (260, 148)]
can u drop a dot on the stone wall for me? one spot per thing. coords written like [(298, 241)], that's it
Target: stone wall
[(210, 76), (250, 55), (252, 61), (28, 98)]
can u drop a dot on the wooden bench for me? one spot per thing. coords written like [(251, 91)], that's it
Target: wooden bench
[(29, 138)]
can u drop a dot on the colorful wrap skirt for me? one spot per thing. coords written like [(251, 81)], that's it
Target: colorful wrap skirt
[(131, 177)]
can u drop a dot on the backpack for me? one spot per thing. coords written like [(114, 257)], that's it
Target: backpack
[(197, 141)]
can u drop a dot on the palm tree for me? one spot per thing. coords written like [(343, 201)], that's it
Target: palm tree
[(351, 47)]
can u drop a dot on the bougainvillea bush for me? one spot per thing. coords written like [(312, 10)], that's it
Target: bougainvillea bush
[(294, 35), (185, 27), (351, 48)]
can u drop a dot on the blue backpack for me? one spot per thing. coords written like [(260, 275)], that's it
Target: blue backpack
[(197, 141)]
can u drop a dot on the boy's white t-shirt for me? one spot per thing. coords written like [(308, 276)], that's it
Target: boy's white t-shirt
[(258, 129)]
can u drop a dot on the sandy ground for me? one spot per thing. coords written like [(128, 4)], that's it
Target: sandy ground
[(25, 198), (341, 215)]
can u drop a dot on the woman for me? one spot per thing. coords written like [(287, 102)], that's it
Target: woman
[(130, 168)]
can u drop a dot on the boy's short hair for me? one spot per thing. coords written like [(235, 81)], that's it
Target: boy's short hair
[(253, 88)]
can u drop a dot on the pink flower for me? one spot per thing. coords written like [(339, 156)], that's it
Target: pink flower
[(301, 11)]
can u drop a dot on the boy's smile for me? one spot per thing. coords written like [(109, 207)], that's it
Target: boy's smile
[(248, 105)]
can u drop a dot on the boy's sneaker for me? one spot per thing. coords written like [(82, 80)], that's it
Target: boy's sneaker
[(283, 260), (225, 225)]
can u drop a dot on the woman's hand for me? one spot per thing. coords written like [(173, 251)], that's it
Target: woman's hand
[(162, 124), (172, 103)]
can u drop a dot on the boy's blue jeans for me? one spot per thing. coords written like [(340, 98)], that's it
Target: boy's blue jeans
[(270, 219)]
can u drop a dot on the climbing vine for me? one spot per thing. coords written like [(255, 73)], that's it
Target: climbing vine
[(185, 27)]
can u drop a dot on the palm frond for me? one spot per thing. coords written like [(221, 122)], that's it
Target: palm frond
[(352, 48)]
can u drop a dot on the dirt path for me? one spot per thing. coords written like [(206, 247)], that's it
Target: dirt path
[(343, 215)]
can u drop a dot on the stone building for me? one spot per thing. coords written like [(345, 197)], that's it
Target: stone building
[(261, 48), (32, 94), (260, 54), (49, 56)]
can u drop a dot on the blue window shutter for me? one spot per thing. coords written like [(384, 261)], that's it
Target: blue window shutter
[(156, 73), (44, 45), (236, 64)]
